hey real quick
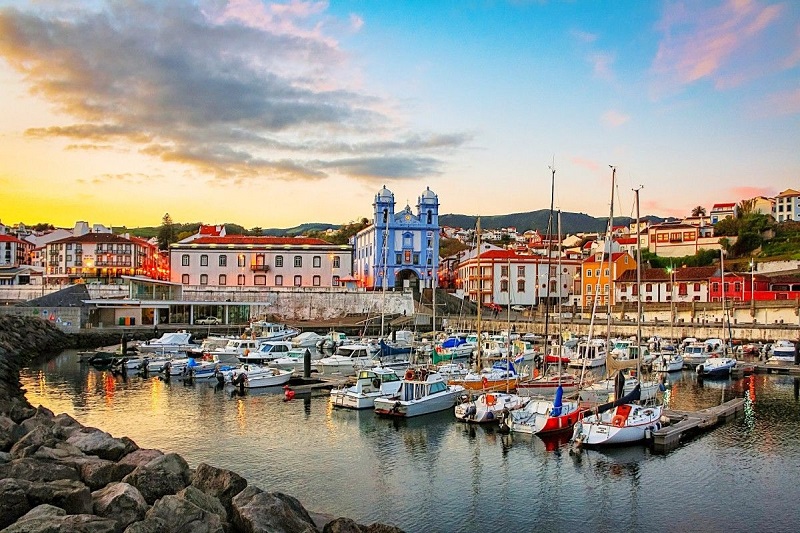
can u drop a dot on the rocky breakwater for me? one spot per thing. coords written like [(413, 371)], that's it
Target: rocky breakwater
[(58, 475)]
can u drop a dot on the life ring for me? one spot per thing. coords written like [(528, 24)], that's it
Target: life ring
[(246, 351), (376, 383), (409, 374), (618, 421), (438, 349), (491, 399)]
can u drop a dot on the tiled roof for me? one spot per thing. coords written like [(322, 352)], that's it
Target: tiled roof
[(614, 257), (94, 238), (789, 192), (499, 254), (661, 274), (257, 240), (626, 240), (724, 206), (11, 238)]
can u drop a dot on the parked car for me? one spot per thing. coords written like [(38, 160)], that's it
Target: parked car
[(207, 320)]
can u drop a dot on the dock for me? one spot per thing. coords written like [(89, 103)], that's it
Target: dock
[(684, 424), (787, 368)]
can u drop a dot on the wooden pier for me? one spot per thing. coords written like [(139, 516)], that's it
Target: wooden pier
[(788, 368), (688, 423)]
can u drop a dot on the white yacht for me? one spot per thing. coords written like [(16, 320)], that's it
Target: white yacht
[(377, 382), (348, 359), (426, 392)]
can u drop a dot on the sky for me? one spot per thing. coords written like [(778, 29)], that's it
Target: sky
[(275, 114)]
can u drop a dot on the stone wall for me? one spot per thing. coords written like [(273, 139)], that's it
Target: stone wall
[(58, 475)]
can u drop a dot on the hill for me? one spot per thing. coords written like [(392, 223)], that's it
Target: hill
[(302, 229), (570, 222)]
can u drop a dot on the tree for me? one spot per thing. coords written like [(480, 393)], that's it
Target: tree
[(746, 208), (166, 233), (257, 231), (699, 211)]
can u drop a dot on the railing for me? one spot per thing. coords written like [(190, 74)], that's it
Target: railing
[(259, 268)]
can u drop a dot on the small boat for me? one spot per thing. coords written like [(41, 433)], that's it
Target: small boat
[(266, 352), (294, 359), (271, 331), (252, 376), (453, 348), (488, 407), (234, 349), (600, 391), (668, 362), (347, 360), (589, 355), (169, 343), (716, 367), (426, 392), (544, 416), (307, 339), (695, 353), (781, 351), (501, 375), (377, 382)]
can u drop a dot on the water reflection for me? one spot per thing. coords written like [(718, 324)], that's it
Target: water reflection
[(433, 473)]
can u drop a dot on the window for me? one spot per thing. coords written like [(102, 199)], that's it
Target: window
[(623, 287), (240, 260), (416, 259), (316, 262), (737, 287), (520, 271), (278, 261), (696, 287), (298, 281), (240, 279), (648, 287), (185, 279), (336, 261), (682, 289), (589, 273), (606, 272), (298, 261), (223, 260), (203, 279), (335, 281), (260, 279), (597, 272), (504, 271), (185, 260), (278, 280), (223, 279), (316, 281), (408, 240), (504, 285), (634, 290), (588, 288), (398, 258), (605, 288), (204, 260), (715, 287), (520, 285)]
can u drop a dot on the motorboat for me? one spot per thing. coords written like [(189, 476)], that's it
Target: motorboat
[(253, 376), (668, 361), (426, 392), (333, 340), (307, 339), (266, 352), (544, 416), (168, 343), (294, 359), (377, 382), (209, 344), (454, 347), (591, 354), (695, 353), (781, 351), (488, 407), (234, 349), (271, 331), (348, 359), (716, 367)]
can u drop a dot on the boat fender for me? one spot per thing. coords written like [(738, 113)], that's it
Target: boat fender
[(618, 421), (491, 399), (376, 383)]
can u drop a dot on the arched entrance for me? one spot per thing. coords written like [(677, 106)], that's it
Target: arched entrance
[(406, 280)]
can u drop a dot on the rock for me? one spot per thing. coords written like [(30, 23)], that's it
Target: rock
[(63, 452), (32, 441), (72, 496), (255, 511), (32, 469), (10, 433), (148, 525), (120, 502), (218, 482), (204, 501), (380, 528), (92, 441), (13, 502), (43, 511), (163, 475), (140, 457), (66, 425), (180, 514), (42, 417), (97, 473), (82, 523), (5, 457), (342, 525)]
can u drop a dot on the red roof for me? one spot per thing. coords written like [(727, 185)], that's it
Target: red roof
[(614, 257), (626, 240), (11, 238), (209, 230), (247, 239), (499, 254), (724, 205)]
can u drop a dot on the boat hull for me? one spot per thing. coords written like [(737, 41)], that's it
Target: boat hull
[(429, 404)]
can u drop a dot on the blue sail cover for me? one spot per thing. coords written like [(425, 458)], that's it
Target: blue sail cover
[(557, 402), (452, 342), (504, 365)]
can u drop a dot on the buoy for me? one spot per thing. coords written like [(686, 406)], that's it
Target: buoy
[(288, 394)]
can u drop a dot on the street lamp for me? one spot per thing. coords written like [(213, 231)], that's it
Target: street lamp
[(752, 281), (671, 273)]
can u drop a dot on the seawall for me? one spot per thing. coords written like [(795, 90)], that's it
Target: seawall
[(58, 475)]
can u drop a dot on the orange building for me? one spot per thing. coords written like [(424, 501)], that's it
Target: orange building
[(598, 274)]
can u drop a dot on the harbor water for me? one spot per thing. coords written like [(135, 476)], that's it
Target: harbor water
[(435, 474)]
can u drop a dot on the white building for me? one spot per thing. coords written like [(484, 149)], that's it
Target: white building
[(787, 205), (267, 262)]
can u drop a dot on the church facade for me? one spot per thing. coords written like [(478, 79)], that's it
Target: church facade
[(399, 250)]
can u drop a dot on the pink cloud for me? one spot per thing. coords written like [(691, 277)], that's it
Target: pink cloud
[(700, 42), (615, 118), (746, 193), (594, 166), (601, 65), (783, 103)]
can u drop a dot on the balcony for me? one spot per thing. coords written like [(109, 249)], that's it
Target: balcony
[(259, 268)]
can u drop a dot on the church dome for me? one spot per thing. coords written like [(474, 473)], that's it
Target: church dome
[(384, 195), (428, 196)]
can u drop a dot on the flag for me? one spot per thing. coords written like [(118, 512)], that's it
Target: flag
[(519, 358)]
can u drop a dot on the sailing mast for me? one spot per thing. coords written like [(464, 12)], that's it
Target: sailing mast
[(724, 312), (480, 296), (385, 271), (638, 291), (549, 262), (610, 268)]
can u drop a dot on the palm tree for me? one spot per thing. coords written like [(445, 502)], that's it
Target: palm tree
[(746, 207), (699, 211)]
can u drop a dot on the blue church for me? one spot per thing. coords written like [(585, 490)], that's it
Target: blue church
[(400, 250)]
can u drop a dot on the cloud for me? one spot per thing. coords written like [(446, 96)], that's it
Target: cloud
[(601, 65), (723, 43), (236, 90), (579, 161), (746, 193), (615, 118)]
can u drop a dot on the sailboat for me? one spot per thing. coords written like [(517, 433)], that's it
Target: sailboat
[(545, 416), (622, 420)]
